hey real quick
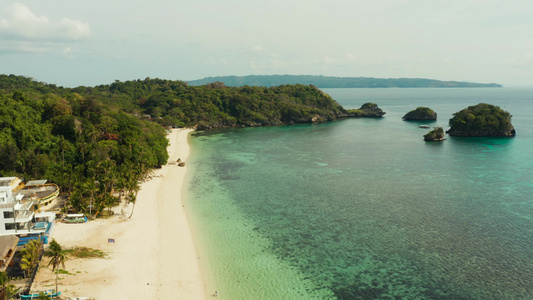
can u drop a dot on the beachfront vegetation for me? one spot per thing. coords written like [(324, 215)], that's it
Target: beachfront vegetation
[(31, 254), (84, 252), (481, 120)]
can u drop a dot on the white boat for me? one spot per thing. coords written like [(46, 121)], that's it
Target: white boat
[(423, 126)]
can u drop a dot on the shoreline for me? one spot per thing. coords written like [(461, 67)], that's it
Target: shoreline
[(152, 256)]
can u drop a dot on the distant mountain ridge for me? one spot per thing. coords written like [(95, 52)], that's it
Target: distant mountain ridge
[(336, 82)]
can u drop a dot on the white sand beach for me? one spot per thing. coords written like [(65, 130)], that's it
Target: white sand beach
[(153, 255)]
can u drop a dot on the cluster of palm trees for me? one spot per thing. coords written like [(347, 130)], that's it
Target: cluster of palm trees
[(106, 186), (31, 255)]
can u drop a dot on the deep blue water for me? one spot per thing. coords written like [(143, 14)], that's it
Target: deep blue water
[(364, 208)]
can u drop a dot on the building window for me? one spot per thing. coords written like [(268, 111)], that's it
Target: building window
[(9, 226), (8, 214)]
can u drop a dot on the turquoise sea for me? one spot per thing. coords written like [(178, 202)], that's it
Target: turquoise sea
[(364, 208)]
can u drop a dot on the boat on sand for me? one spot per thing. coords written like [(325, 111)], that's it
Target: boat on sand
[(36, 294)]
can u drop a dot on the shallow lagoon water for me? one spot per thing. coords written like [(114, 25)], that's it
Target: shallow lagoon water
[(364, 208)]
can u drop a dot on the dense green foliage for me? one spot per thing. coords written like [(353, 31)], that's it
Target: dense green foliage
[(73, 139), (367, 110), (336, 82), (437, 134), (173, 103), (421, 113), (481, 120)]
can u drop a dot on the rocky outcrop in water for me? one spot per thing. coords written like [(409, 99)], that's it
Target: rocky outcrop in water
[(482, 120), (435, 135), (367, 110), (420, 114)]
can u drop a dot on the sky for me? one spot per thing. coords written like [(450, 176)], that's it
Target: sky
[(73, 43)]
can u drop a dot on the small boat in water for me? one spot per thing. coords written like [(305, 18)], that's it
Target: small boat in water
[(36, 294), (423, 126)]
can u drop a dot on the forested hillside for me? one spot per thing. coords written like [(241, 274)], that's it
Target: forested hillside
[(75, 140), (174, 103), (92, 141)]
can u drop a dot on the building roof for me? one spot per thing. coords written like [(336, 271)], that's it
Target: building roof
[(36, 182), (6, 181), (8, 246)]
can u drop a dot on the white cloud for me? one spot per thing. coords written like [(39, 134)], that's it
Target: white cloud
[(29, 32)]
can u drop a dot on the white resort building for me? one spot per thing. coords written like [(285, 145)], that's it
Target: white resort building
[(20, 206)]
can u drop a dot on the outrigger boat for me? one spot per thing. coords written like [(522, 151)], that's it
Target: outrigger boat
[(36, 294)]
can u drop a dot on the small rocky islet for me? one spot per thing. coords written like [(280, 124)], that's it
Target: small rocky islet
[(420, 114), (481, 120), (435, 135)]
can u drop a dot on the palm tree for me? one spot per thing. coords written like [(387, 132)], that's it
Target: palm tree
[(7, 289), (133, 188), (132, 198), (30, 256), (121, 185), (62, 145), (90, 186), (132, 185), (57, 258), (4, 280)]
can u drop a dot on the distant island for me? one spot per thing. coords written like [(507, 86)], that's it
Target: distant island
[(336, 82)]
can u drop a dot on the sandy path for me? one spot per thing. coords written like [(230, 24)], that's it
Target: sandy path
[(153, 256)]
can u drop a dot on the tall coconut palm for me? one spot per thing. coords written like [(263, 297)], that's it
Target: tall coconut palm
[(132, 185), (57, 258), (121, 185), (62, 143), (91, 187), (133, 189)]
